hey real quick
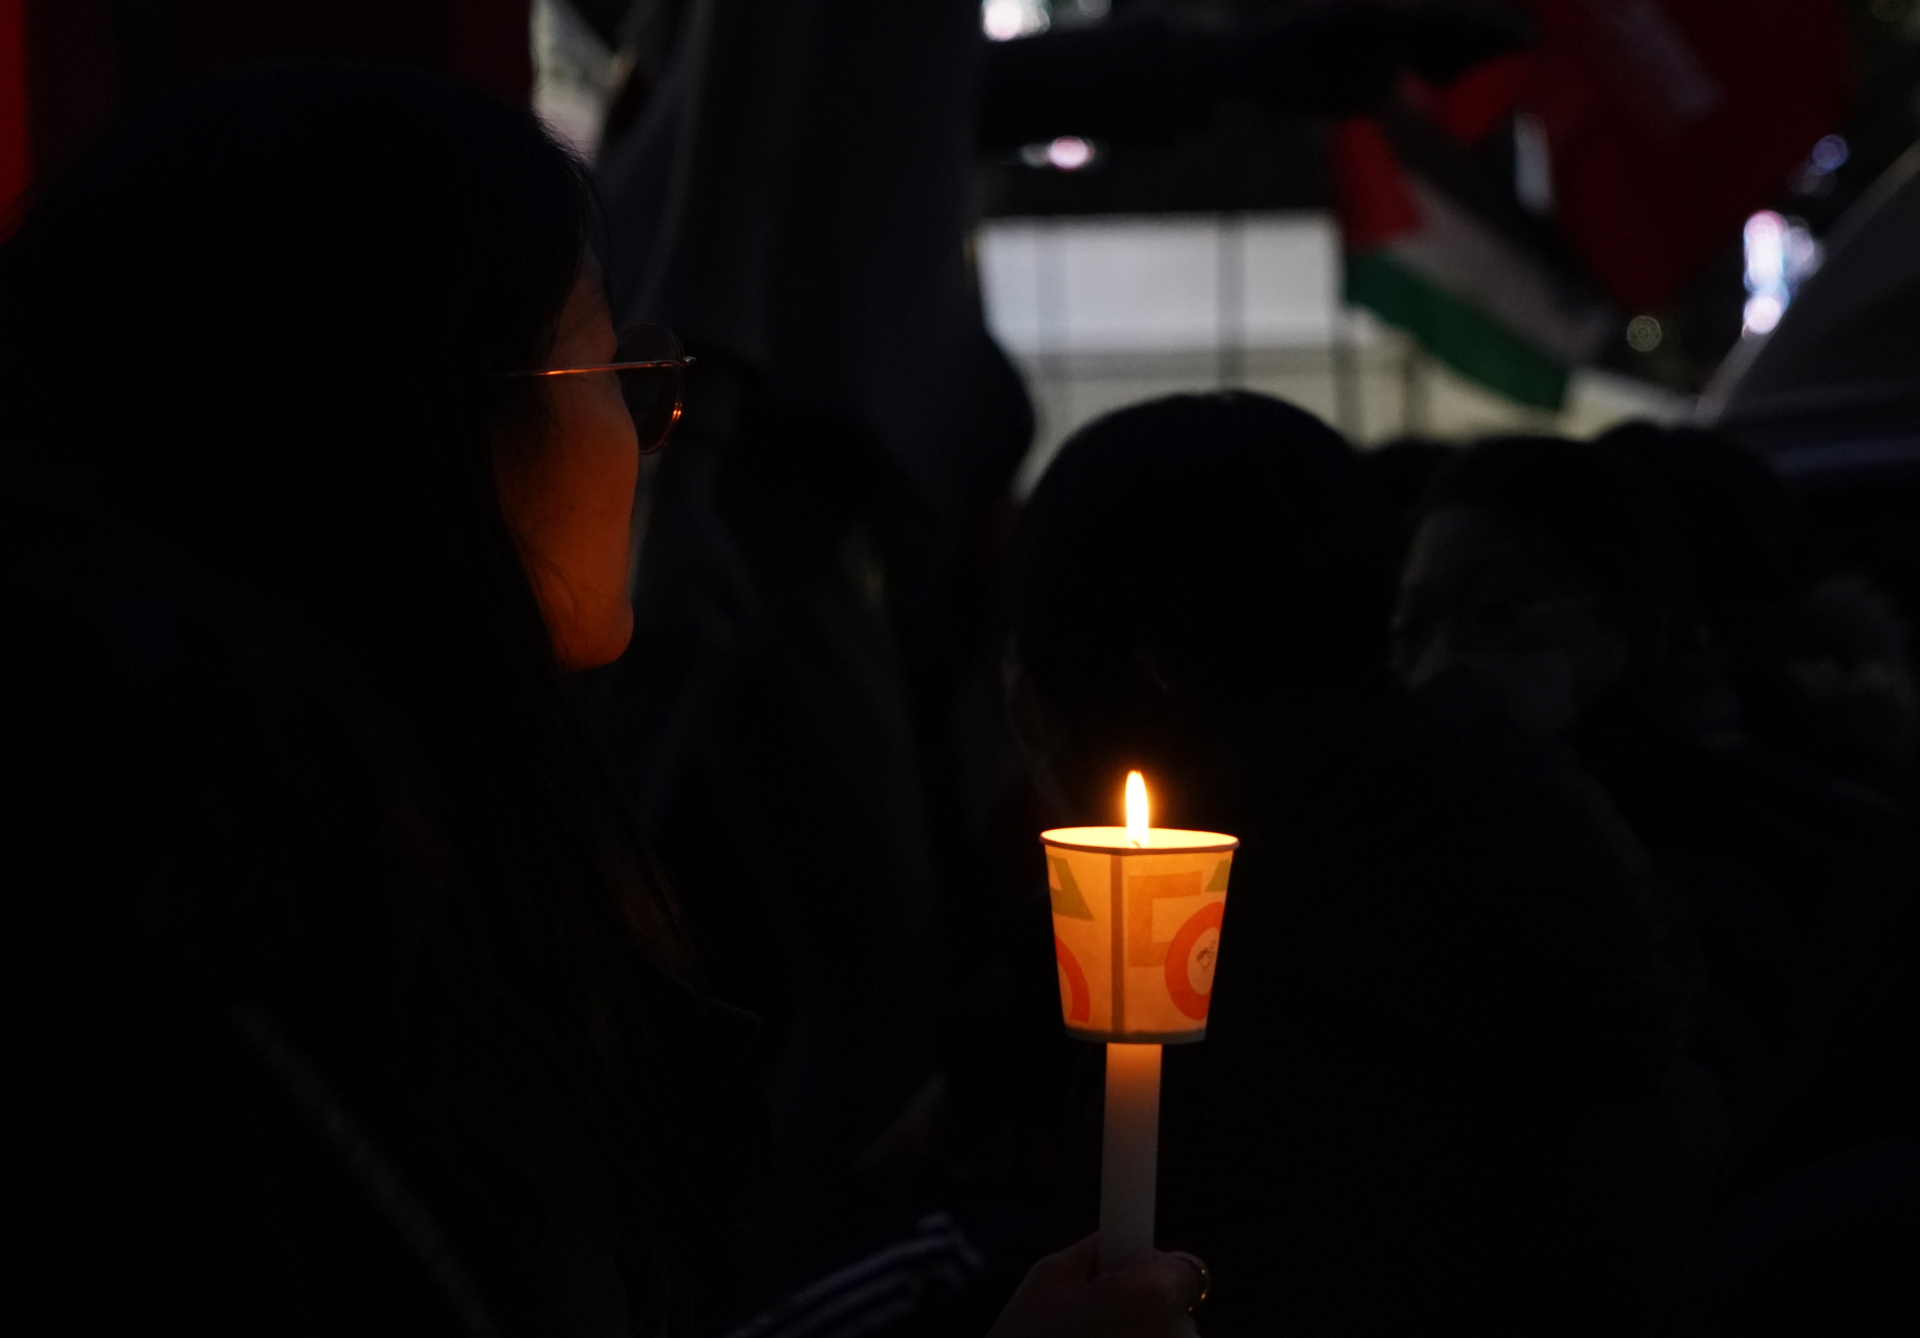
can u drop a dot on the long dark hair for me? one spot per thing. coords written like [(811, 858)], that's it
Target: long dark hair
[(257, 336)]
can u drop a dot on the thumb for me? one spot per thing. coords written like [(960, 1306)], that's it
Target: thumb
[(1169, 1285)]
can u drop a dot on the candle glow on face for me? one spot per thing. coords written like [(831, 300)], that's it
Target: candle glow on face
[(1137, 823)]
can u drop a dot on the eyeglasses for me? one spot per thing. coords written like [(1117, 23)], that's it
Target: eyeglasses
[(652, 369)]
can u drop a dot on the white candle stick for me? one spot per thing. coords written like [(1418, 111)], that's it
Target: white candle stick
[(1129, 1155)]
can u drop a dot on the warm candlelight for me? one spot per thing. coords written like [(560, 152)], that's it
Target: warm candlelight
[(1137, 912)]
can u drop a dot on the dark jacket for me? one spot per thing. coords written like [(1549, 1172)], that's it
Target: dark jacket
[(1443, 1079), (260, 1092)]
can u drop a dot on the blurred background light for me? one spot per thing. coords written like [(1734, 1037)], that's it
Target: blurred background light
[(1781, 253), (1069, 153), (1004, 20), (1815, 176), (1829, 154), (1644, 334), (1762, 313), (1765, 238)]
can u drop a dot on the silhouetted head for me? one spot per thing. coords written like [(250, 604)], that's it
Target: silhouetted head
[(1742, 532), (1532, 548), (1184, 566), (1401, 471), (266, 322), (258, 338)]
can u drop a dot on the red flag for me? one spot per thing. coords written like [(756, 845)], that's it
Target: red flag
[(1670, 120), (1375, 203), (16, 150)]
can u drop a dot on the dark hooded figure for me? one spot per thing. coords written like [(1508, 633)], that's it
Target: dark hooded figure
[(1442, 1085)]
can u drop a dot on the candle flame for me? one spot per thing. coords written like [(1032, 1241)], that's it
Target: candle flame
[(1137, 822)]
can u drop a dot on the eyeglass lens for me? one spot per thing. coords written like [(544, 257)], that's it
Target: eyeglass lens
[(652, 393)]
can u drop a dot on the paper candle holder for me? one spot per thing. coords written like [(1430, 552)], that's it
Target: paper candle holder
[(1136, 930)]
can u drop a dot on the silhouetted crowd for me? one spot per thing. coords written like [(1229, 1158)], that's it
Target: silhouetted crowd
[(1564, 981), (1576, 869), (1568, 929), (396, 948)]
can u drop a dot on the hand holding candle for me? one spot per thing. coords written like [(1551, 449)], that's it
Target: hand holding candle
[(1137, 912)]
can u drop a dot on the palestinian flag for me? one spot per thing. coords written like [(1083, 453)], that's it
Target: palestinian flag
[(1483, 302), (1510, 218)]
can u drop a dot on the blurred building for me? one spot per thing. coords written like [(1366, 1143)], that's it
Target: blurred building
[(1103, 310)]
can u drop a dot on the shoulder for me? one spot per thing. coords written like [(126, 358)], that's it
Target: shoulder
[(195, 765)]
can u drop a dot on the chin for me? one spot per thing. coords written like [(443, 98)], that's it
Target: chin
[(602, 646)]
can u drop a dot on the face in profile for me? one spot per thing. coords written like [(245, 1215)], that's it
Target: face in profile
[(569, 500)]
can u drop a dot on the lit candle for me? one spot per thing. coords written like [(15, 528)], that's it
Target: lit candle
[(1137, 912)]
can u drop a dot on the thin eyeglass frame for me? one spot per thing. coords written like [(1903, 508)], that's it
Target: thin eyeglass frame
[(679, 364), (682, 362)]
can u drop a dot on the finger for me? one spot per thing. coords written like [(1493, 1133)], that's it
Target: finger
[(1202, 1275), (1166, 1285)]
